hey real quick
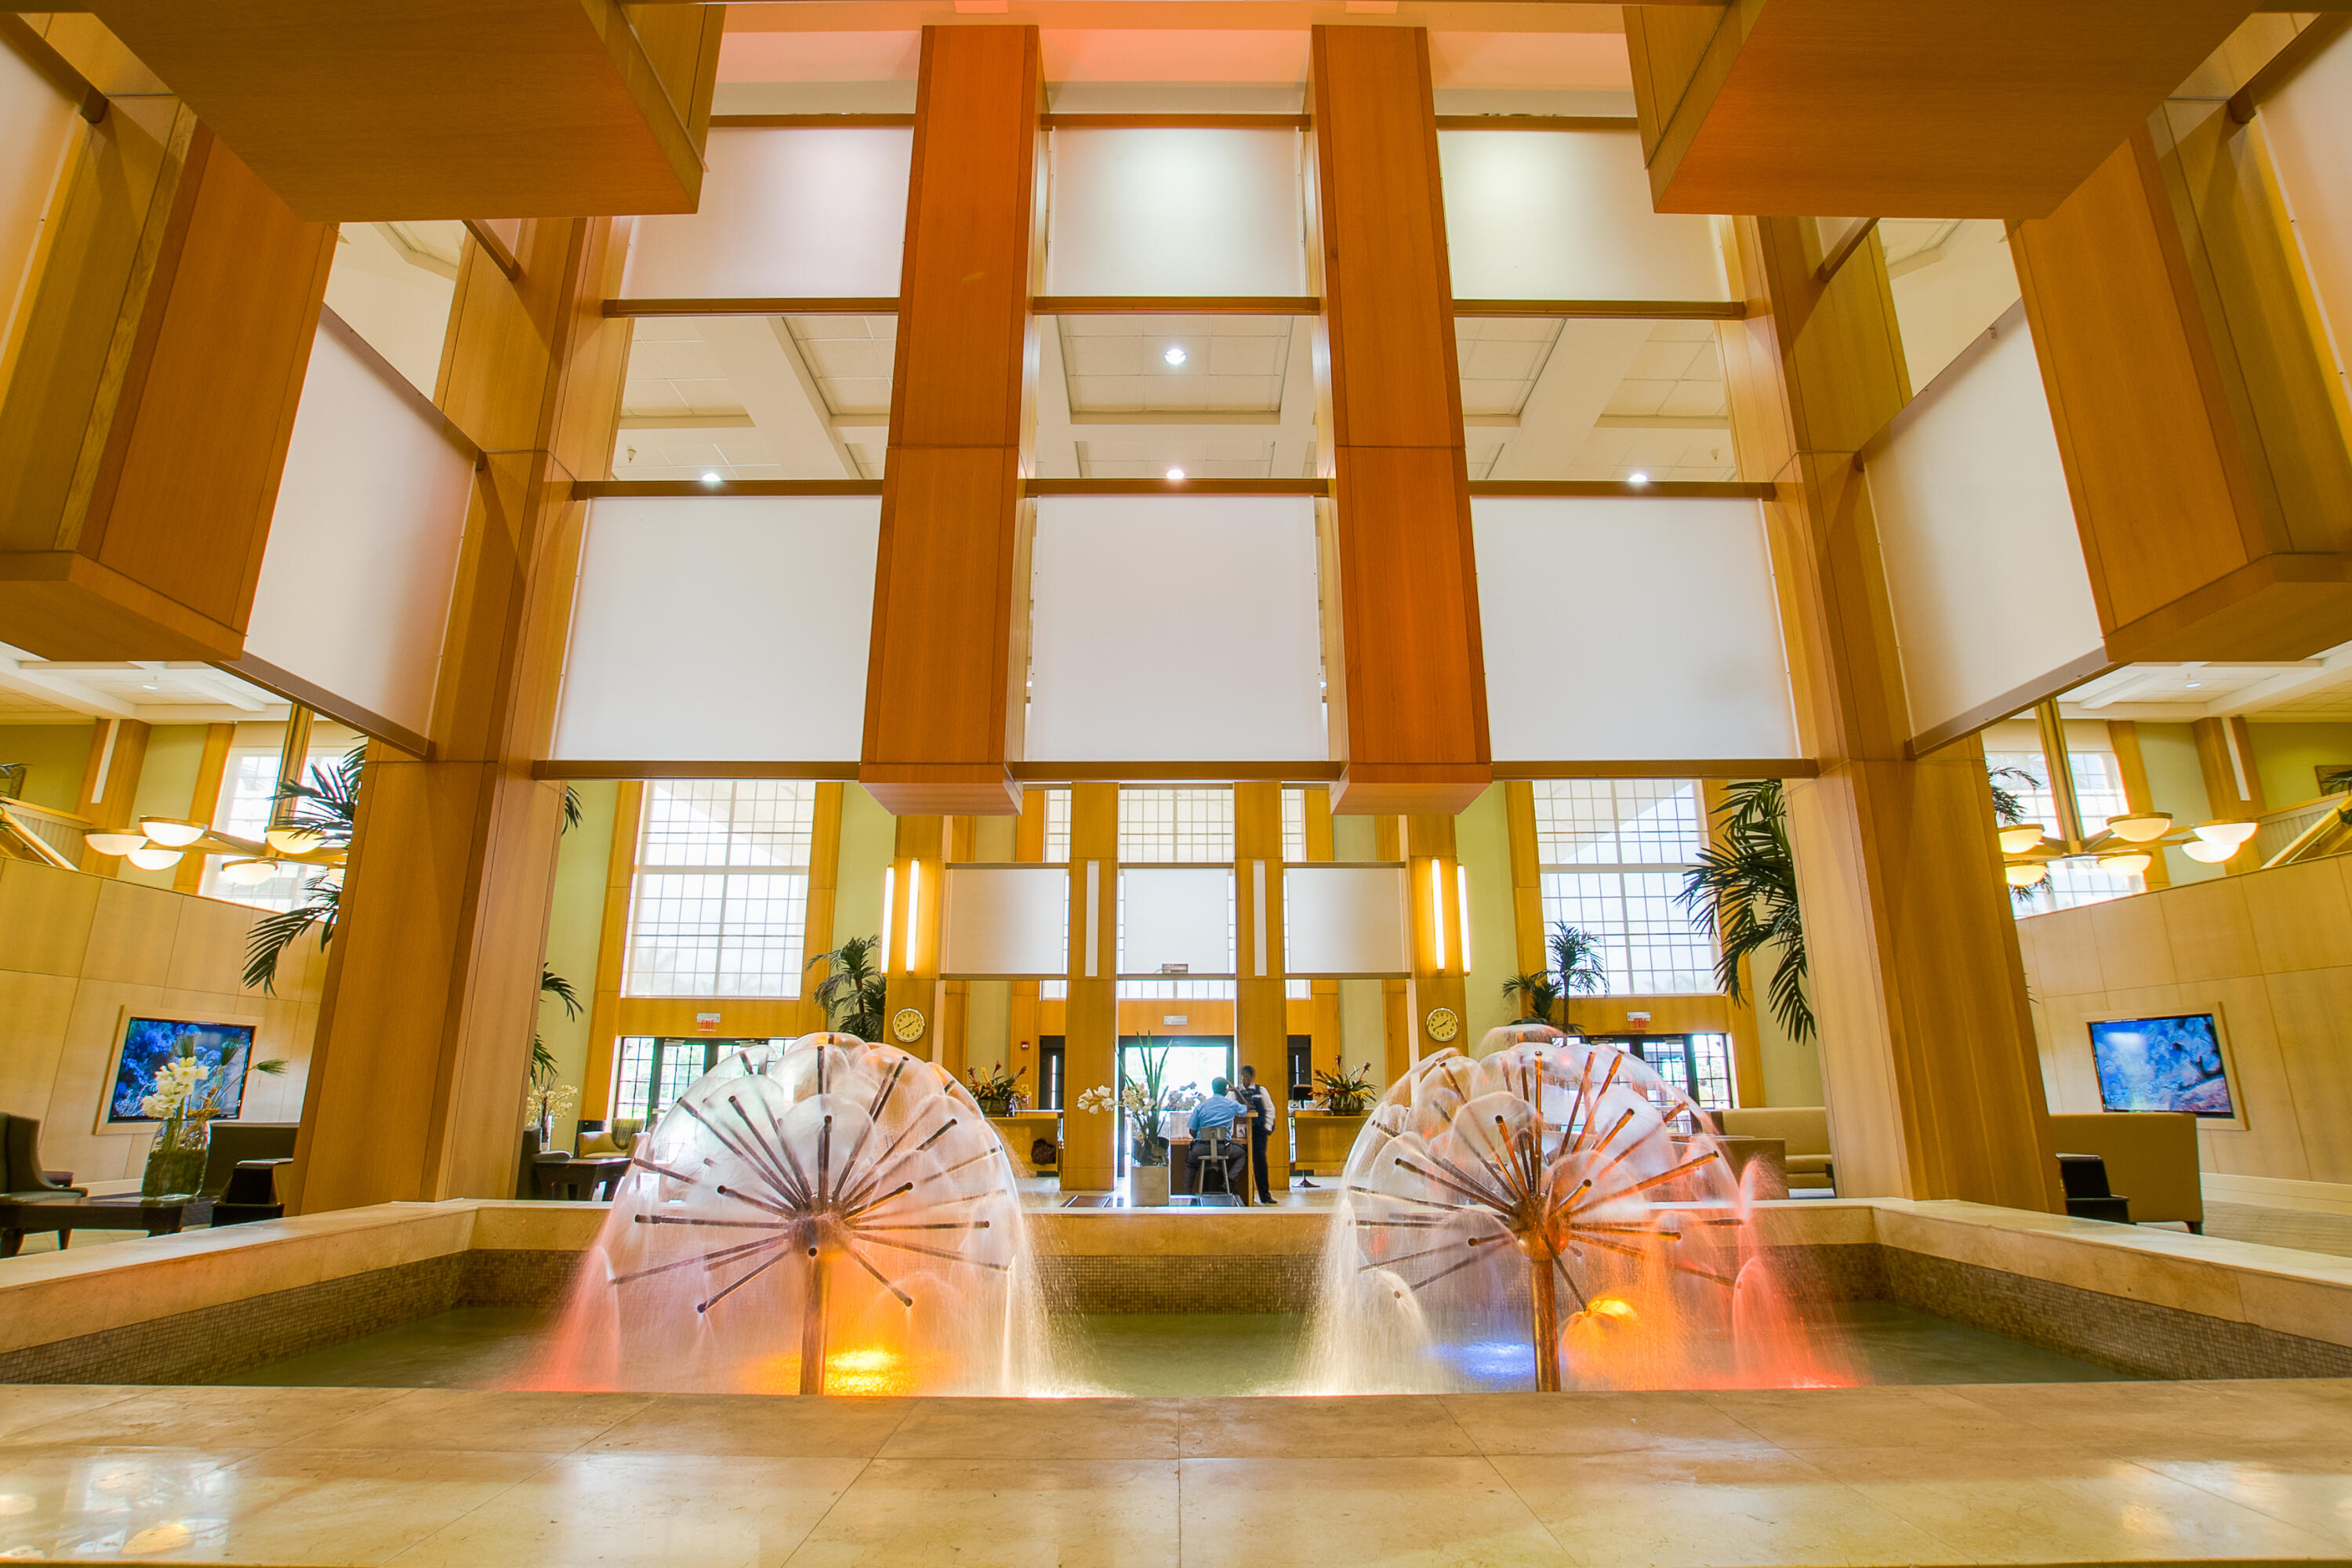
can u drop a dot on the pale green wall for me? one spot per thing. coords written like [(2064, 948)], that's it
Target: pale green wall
[(1482, 838), (167, 786), (1792, 1068), (2288, 756), (2176, 783), (55, 756), (869, 839), (575, 929)]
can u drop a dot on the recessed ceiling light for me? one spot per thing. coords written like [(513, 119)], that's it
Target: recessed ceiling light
[(1637, 478), (2195, 684), (1175, 475), (711, 479), (1174, 356), (151, 686)]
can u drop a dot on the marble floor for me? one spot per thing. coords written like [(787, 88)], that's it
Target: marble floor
[(2090, 1472)]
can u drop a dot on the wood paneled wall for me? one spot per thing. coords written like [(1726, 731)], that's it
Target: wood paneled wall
[(1090, 1016), (950, 590), (1409, 691), (1261, 1006), (152, 397)]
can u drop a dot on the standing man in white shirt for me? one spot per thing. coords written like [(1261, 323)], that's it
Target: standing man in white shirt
[(1261, 1112)]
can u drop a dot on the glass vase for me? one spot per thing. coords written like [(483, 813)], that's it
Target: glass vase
[(175, 1165)]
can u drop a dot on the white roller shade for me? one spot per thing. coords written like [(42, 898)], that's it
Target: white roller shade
[(1005, 921), (1567, 216), (1346, 919), (354, 589), (721, 630), (786, 213), (1177, 212), (1983, 562), (1625, 630), (1170, 914), (1175, 629)]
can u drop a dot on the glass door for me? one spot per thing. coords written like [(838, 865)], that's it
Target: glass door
[(1191, 1063)]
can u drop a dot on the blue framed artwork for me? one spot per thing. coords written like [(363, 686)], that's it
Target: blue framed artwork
[(143, 1043), (2171, 1062)]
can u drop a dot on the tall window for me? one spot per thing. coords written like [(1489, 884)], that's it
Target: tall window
[(1173, 827), (654, 1072), (720, 901), (2098, 794), (1057, 826), (1614, 852), (248, 792)]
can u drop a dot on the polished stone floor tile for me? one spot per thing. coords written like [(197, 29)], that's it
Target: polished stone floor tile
[(1037, 1429), (2306, 1487), (1671, 1507), (1595, 1423), (98, 1503), (344, 1506), (2060, 1504), (727, 1511), (188, 1417), (31, 1406), (1338, 1513), (1328, 1427), (1927, 1418), (781, 1427), (2178, 1419), (491, 1422), (1004, 1511)]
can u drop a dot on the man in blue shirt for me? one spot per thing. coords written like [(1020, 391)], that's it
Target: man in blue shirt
[(1225, 1114)]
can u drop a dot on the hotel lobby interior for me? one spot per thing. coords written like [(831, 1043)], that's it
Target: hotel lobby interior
[(1175, 781)]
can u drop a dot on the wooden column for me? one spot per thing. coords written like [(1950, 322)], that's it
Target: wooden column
[(1739, 1018), (150, 395), (1397, 1031), (951, 589), (1909, 934), (823, 891), (1527, 877), (1021, 1004), (2197, 412), (955, 995), (912, 961), (109, 784), (1090, 1028), (424, 1030), (1261, 1006), (203, 801), (2124, 735), (2233, 788), (1409, 691), (1439, 984), (612, 951)]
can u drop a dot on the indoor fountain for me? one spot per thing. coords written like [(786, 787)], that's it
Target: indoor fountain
[(817, 1215), (1487, 1197)]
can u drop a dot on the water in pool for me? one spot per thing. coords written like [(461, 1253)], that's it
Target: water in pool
[(1142, 1354)]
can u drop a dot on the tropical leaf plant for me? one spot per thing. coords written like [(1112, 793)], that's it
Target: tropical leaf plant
[(1743, 893), (1576, 965), (2008, 811), (853, 995), (543, 1068), (326, 805), (1537, 994)]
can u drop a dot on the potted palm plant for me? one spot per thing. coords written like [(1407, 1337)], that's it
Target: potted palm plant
[(854, 993), (1576, 966), (1743, 893)]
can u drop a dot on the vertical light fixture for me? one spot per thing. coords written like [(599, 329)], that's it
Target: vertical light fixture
[(1462, 903), (1437, 914), (914, 910), (890, 897)]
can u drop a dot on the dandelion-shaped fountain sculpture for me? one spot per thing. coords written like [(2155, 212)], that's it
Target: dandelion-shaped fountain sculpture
[(822, 1214), (1481, 1191)]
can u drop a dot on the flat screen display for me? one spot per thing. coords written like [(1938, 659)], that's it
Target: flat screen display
[(149, 1043), (2162, 1064)]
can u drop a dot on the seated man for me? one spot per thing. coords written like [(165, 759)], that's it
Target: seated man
[(1222, 1113)]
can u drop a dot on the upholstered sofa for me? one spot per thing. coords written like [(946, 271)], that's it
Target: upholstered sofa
[(2151, 1159), (1804, 1129)]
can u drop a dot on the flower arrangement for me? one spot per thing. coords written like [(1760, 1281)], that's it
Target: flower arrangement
[(176, 1162), (1095, 1101), (542, 1104), (1144, 1098), (997, 1091), (1345, 1093)]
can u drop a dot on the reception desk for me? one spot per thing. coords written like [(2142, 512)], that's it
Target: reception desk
[(1320, 1141), (1021, 1130)]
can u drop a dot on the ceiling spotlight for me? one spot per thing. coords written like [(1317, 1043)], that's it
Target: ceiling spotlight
[(2210, 854), (711, 478), (152, 860), (170, 832), (1175, 475), (2026, 873), (2195, 684), (248, 873), (115, 843), (2142, 826), (2226, 834), (1174, 356), (2018, 838), (1637, 478), (2131, 863), (151, 686)]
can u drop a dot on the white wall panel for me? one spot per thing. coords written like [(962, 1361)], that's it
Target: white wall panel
[(2307, 124), (786, 213), (354, 589), (1983, 562), (721, 630), (1170, 914), (1175, 629), (1177, 212), (1006, 921), (1346, 919), (1630, 629), (1567, 216)]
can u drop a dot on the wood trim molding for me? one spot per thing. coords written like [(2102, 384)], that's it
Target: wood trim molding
[(569, 768), (1666, 768), (495, 246), (318, 700), (2009, 320), (812, 122), (1165, 771), (597, 489), (1608, 309), (1842, 251), (2065, 677), (1176, 305), (1660, 490), (2287, 64), (38, 52), (1554, 122), (1175, 122), (1177, 488), (407, 391), (829, 305)]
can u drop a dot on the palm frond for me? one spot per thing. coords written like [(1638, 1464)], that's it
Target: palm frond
[(1576, 963), (1743, 893), (570, 808), (854, 993), (273, 934), (2006, 807), (554, 984), (1537, 994)]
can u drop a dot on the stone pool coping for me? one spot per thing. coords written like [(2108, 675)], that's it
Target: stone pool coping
[(2159, 1302)]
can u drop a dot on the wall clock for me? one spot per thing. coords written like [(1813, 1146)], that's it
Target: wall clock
[(907, 1024), (1441, 1025)]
